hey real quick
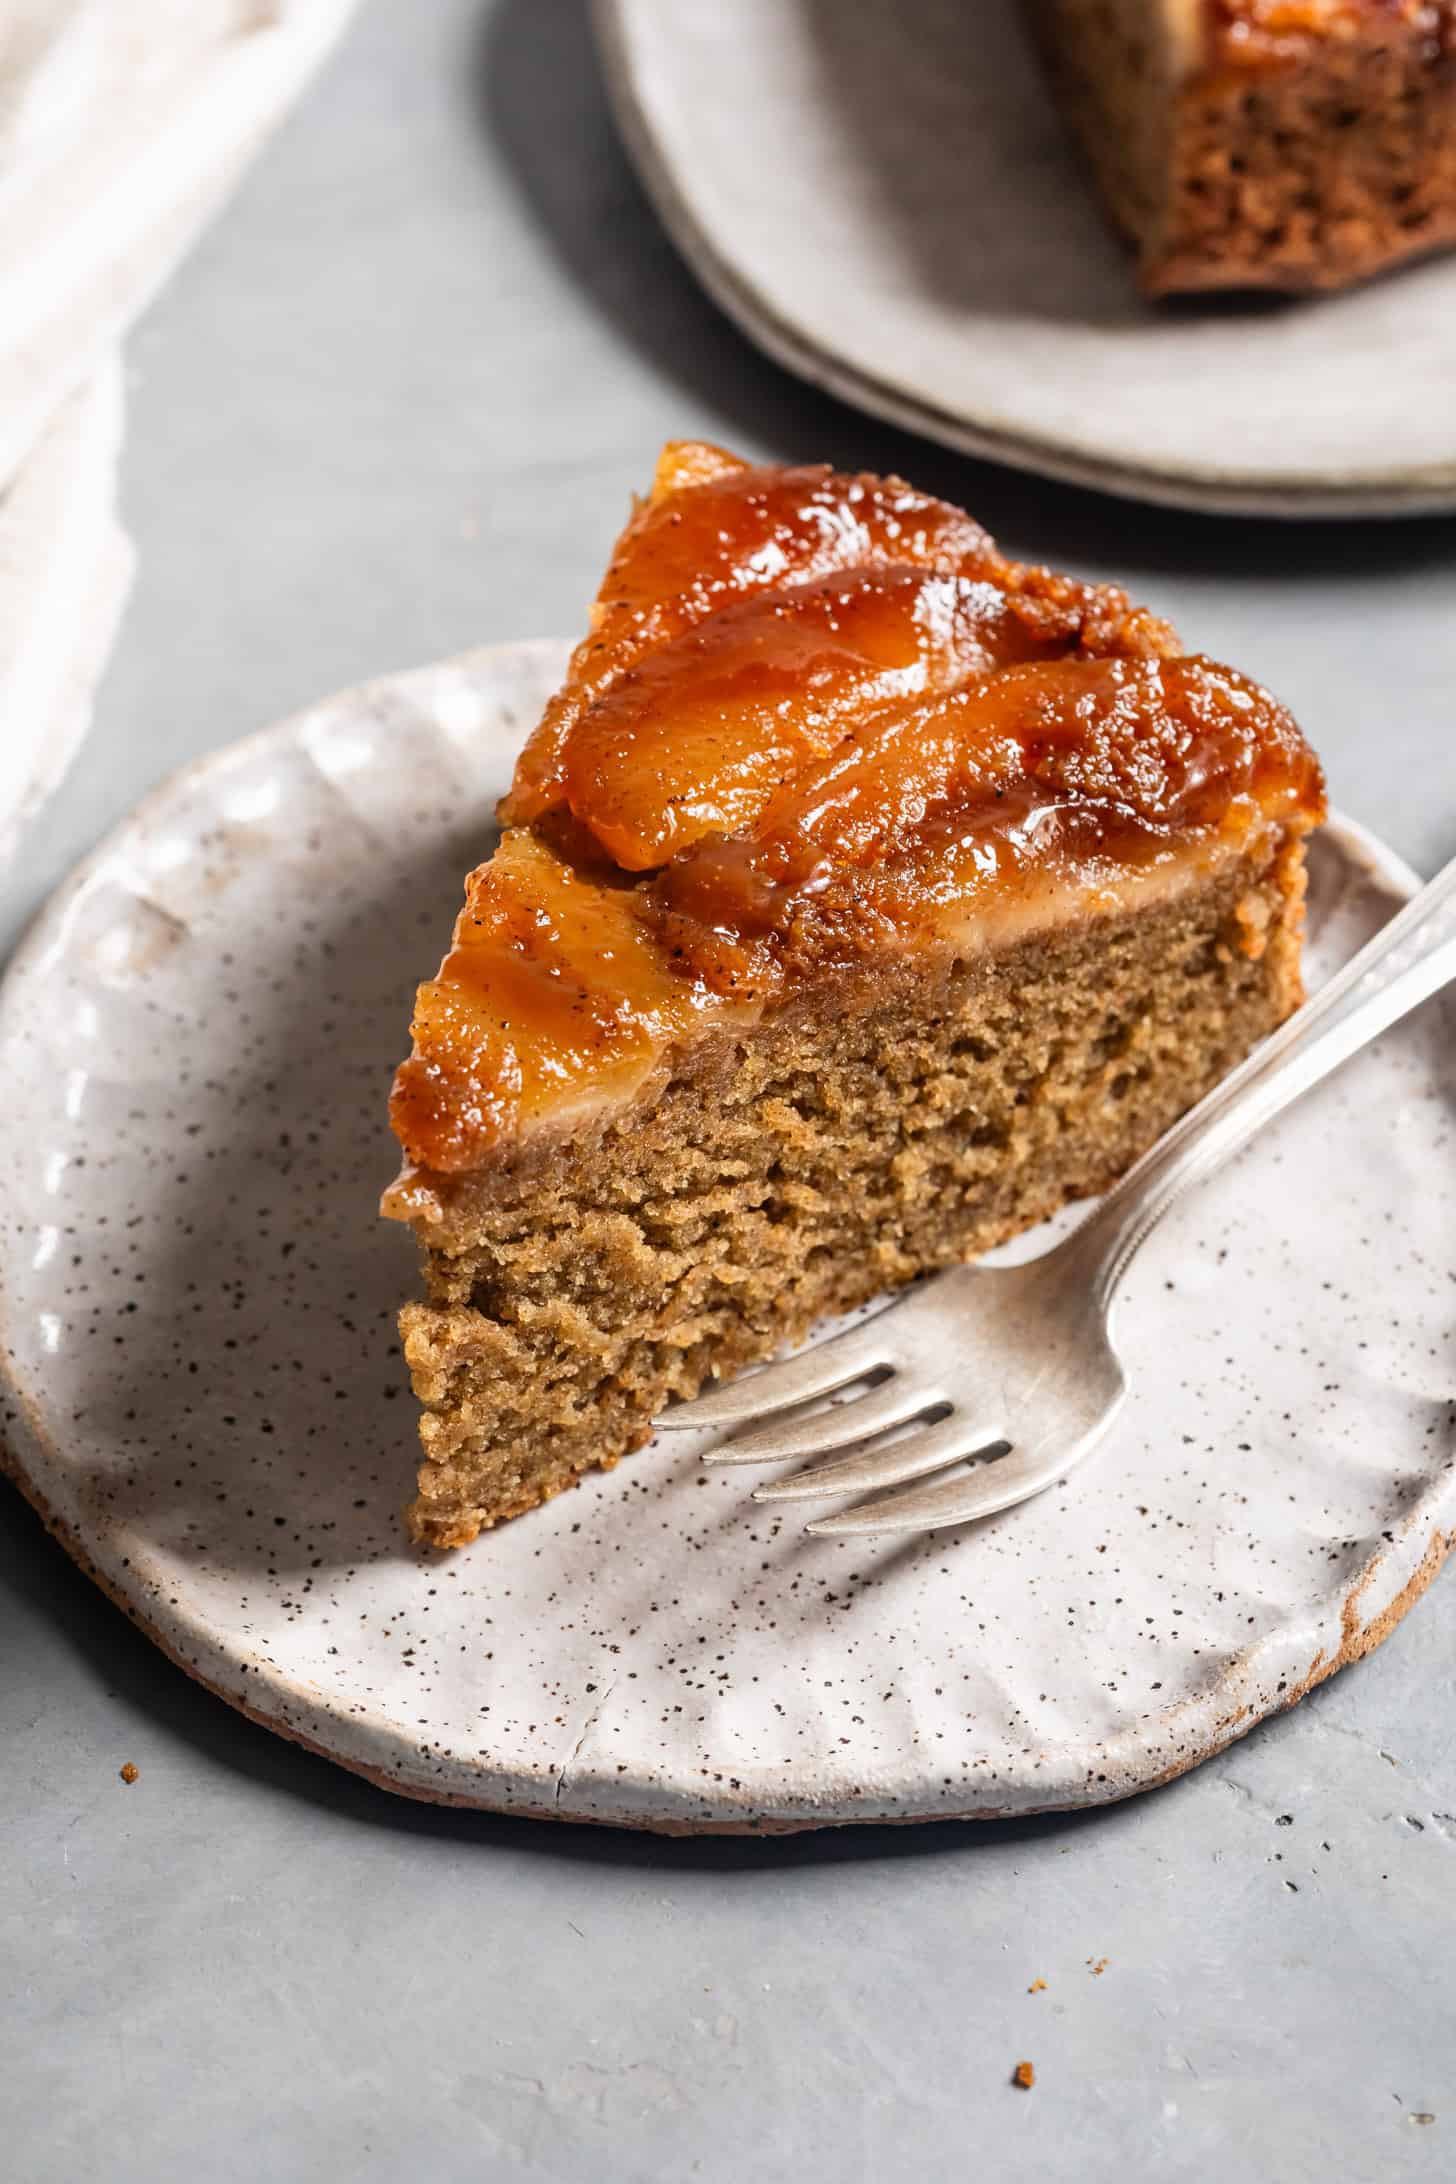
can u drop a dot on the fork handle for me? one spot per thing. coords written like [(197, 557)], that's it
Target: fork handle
[(1406, 962)]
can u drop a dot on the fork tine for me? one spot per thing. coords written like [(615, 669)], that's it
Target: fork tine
[(829, 1366), (894, 1404), (995, 1485), (931, 1450)]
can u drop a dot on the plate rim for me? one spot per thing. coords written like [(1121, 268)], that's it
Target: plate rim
[(29, 1451), (1424, 490)]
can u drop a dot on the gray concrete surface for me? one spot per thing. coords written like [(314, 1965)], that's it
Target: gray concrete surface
[(393, 406)]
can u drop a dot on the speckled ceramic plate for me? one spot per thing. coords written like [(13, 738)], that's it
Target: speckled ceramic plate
[(885, 199), (204, 1392)]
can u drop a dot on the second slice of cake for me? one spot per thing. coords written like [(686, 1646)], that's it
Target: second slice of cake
[(863, 898), (1288, 144)]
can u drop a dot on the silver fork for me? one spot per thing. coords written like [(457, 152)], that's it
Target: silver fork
[(1013, 1370)]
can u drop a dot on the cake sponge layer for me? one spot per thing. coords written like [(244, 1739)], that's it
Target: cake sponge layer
[(872, 1129)]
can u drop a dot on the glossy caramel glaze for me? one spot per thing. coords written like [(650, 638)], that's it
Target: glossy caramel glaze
[(818, 720), (1269, 33)]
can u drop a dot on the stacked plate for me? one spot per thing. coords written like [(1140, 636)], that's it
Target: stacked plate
[(884, 198)]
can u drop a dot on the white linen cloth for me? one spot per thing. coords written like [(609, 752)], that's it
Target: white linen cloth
[(123, 123)]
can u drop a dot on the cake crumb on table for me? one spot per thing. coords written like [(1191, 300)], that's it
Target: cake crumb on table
[(1097, 1966), (1024, 2075), (128, 1774), (1038, 1986)]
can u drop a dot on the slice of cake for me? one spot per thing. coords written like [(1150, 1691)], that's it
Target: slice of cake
[(1290, 144), (863, 897)]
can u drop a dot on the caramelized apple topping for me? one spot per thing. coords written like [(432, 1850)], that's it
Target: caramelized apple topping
[(818, 718)]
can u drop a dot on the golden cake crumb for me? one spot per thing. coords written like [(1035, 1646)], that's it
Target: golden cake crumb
[(1038, 1986), (1024, 2075), (128, 1774)]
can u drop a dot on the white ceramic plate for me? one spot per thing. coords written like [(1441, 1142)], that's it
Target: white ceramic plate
[(204, 1390), (885, 200)]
